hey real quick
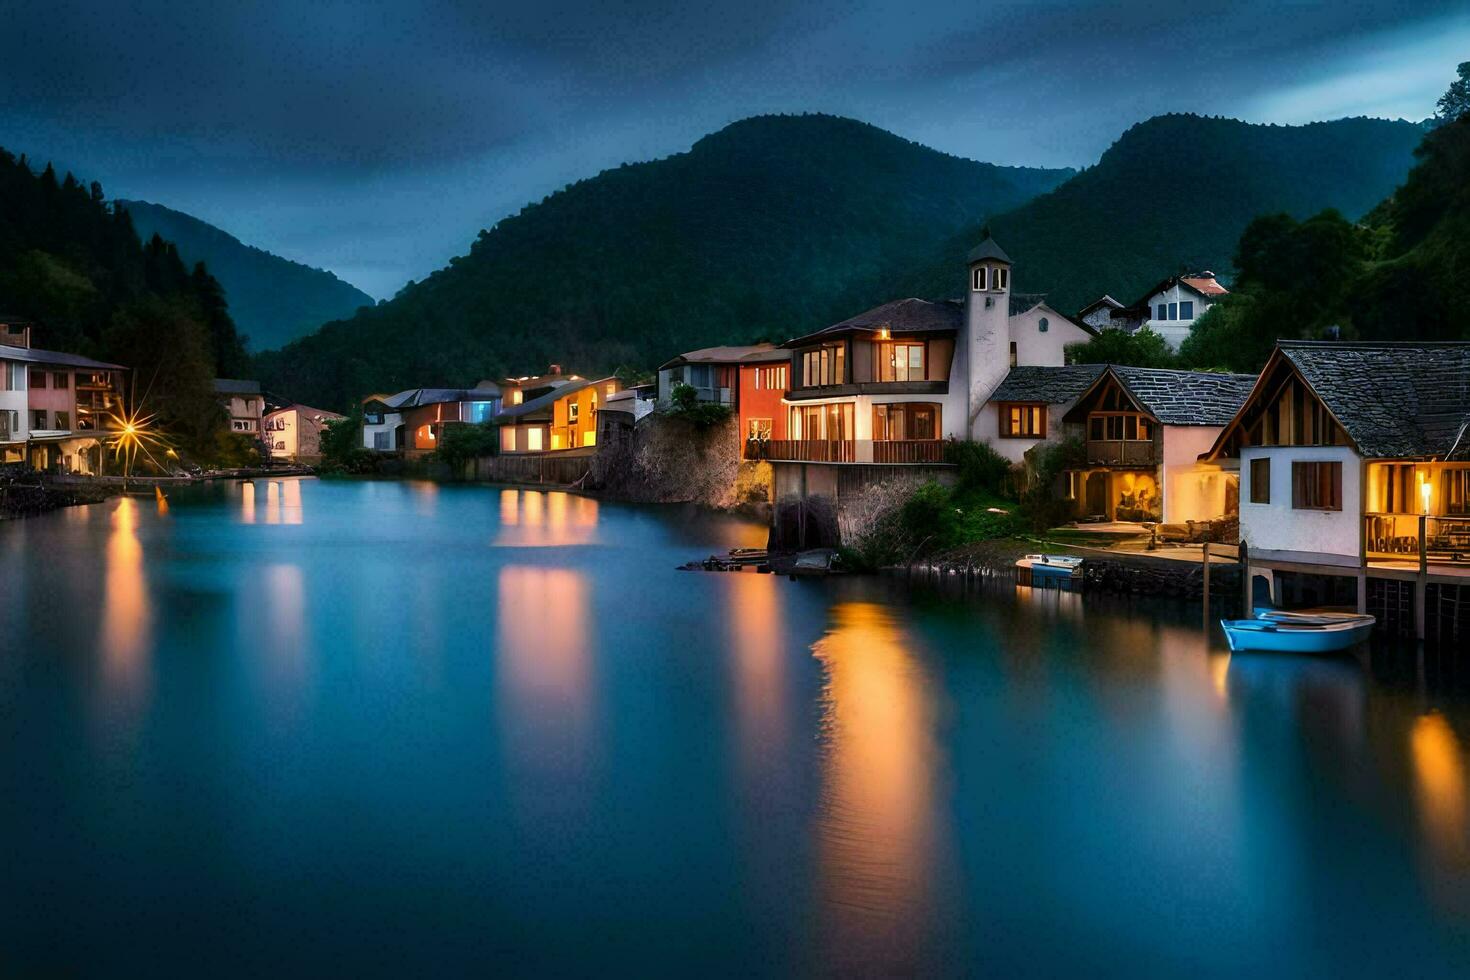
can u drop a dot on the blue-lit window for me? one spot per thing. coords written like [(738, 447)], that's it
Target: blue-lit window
[(1162, 311), (481, 411), (1186, 310), (1173, 311)]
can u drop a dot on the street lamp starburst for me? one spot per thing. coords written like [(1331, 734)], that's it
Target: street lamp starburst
[(131, 436)]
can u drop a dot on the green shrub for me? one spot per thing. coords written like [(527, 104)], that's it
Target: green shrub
[(979, 467), (459, 443), (929, 518), (1042, 504), (685, 404)]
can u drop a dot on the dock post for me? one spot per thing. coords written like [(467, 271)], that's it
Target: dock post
[(1246, 605), (1206, 573), (1422, 585)]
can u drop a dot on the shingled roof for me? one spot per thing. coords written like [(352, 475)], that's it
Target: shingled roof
[(748, 354), (1186, 397), (900, 316), (1052, 385), (1395, 400)]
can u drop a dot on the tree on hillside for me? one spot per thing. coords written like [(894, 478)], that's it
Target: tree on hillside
[(1455, 103), (1143, 348)]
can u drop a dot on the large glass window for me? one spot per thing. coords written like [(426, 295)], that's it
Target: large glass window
[(824, 366), (1161, 311), (1119, 427), (905, 420), (832, 423), (900, 362), (1186, 309), (481, 411)]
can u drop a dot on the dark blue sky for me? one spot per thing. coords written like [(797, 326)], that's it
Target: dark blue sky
[(375, 139)]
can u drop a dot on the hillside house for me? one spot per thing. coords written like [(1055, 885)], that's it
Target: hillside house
[(295, 432), (1354, 463), (751, 381), (1172, 307), (244, 406), (55, 408), (1027, 408), (382, 421)]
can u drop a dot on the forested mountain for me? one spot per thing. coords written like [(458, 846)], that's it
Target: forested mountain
[(1175, 193), (764, 228), (75, 265), (272, 300), (1397, 275)]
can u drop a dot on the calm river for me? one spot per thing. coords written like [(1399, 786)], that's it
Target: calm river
[(386, 728)]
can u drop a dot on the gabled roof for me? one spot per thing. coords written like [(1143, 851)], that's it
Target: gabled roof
[(988, 249), (1394, 400), (1104, 300), (544, 401), (748, 354), (32, 355), (419, 397), (1182, 397), (307, 410), (1053, 385), (1201, 285)]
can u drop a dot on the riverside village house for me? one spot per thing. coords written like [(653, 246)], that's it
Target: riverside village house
[(294, 432), (1354, 460), (55, 407), (752, 381)]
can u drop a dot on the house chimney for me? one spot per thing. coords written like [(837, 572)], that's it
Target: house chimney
[(554, 369)]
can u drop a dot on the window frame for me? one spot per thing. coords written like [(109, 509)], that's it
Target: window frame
[(1260, 480), (1033, 419), (1306, 485)]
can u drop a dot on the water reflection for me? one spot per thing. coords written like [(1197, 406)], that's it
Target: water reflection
[(127, 616), (247, 503), (544, 675), (285, 617), (877, 835), (1444, 806), (758, 660), (545, 519)]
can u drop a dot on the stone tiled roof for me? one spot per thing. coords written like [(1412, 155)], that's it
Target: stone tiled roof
[(236, 386), (1395, 400), (1052, 385), (1186, 397)]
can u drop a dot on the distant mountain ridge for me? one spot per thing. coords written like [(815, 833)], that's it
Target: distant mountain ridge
[(763, 228), (1173, 194), (272, 300)]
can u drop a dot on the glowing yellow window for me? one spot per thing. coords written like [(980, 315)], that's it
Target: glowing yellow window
[(556, 440), (533, 440), (589, 438)]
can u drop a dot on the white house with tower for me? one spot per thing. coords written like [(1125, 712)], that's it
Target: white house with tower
[(886, 387)]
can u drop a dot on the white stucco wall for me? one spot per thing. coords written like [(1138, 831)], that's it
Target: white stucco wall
[(1193, 491), (391, 421), (15, 401), (1175, 331), (282, 440), (1278, 527), (1046, 348)]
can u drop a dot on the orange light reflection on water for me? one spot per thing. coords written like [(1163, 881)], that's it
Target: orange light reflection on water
[(544, 676), (545, 519), (759, 665), (127, 614), (877, 840), (1440, 786)]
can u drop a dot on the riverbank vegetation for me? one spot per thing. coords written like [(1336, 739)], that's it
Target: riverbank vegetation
[(897, 521)]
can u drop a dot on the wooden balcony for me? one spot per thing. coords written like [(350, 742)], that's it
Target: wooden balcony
[(1417, 539), (1121, 452), (891, 452), (811, 450), (908, 451)]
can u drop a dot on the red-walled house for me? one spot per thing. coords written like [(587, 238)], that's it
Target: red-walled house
[(751, 380)]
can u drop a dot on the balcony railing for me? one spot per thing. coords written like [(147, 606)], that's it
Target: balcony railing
[(1407, 537), (908, 451), (847, 450), (1120, 452)]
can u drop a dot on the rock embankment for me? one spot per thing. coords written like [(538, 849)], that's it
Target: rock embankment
[(665, 459), (26, 495)]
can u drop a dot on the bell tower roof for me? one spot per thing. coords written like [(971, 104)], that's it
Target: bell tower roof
[(988, 250)]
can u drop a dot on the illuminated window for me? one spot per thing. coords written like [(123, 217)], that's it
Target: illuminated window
[(508, 439), (589, 438), (1022, 421), (758, 429), (556, 441), (573, 409), (901, 362), (533, 440)]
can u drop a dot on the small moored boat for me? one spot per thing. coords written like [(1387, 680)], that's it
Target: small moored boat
[(1297, 632), (1048, 571)]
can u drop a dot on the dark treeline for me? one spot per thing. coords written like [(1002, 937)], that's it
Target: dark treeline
[(764, 228), (75, 265)]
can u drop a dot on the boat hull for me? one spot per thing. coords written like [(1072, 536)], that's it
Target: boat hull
[(1284, 637)]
